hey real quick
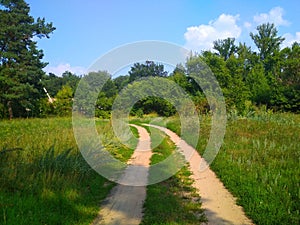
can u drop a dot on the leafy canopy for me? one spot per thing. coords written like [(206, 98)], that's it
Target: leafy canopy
[(20, 59)]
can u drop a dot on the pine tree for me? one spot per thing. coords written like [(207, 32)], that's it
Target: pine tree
[(20, 60)]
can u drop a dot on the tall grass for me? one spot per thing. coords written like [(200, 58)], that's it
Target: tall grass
[(44, 179), (112, 144), (259, 163)]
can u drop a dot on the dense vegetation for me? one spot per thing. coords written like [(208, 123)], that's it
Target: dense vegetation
[(267, 76), (248, 79)]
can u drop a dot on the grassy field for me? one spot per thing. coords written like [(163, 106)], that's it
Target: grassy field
[(44, 179), (259, 163)]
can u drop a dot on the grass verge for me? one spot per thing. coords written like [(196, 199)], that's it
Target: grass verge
[(173, 201)]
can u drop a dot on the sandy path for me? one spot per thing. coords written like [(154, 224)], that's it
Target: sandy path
[(124, 205), (219, 204)]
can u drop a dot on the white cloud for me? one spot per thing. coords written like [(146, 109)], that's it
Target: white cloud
[(201, 37), (290, 39), (63, 67), (275, 15), (248, 25)]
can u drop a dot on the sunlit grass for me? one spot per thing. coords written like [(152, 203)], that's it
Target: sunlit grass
[(259, 163), (44, 179)]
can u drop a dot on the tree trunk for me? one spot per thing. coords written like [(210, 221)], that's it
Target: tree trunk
[(10, 111)]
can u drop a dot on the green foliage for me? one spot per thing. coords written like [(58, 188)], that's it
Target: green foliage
[(63, 101), (20, 60), (289, 79), (269, 77), (228, 74), (266, 40), (237, 93), (257, 82), (152, 103), (112, 143), (121, 82), (71, 80), (225, 48), (93, 86), (180, 77), (103, 106), (46, 108), (149, 68), (54, 83), (139, 113)]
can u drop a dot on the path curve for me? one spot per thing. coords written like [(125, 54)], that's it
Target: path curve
[(124, 205), (218, 203)]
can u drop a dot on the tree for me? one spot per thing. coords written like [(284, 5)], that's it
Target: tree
[(258, 85), (20, 60), (149, 68), (151, 103), (95, 92), (63, 101), (217, 65), (266, 40), (179, 76), (225, 48), (238, 92), (268, 44), (109, 88), (291, 65), (121, 82), (52, 83), (70, 79), (290, 78)]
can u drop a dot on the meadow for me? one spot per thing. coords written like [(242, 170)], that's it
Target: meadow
[(259, 163), (44, 179)]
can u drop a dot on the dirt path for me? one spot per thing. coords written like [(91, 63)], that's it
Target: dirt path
[(219, 204), (124, 205)]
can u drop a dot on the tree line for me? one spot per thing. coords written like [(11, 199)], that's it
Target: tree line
[(266, 76)]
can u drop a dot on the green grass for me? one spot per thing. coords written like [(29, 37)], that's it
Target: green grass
[(259, 163), (44, 179), (173, 201), (112, 143)]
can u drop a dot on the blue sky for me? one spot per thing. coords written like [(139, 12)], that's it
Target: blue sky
[(87, 29)]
